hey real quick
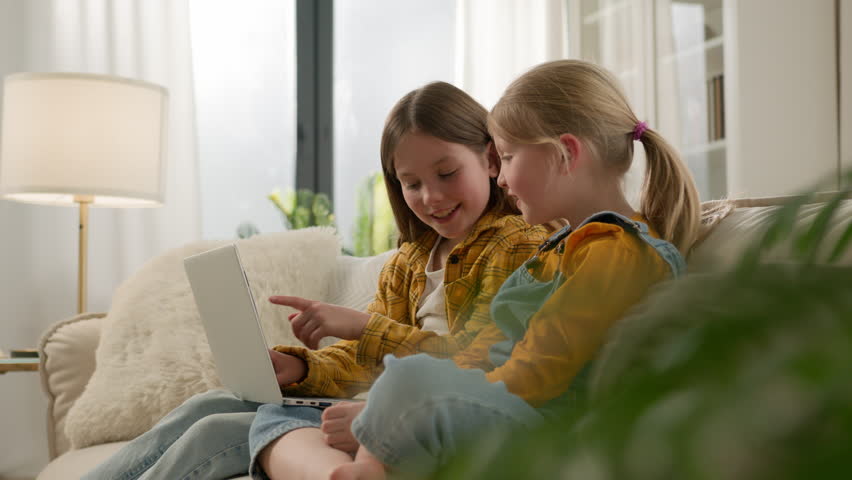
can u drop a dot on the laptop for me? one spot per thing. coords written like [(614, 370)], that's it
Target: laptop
[(230, 319)]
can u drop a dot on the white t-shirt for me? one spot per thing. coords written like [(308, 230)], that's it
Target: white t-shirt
[(432, 310)]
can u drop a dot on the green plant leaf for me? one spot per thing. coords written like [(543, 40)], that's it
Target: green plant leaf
[(321, 210), (289, 201), (304, 198), (807, 244), (283, 205), (842, 243), (301, 217), (384, 228), (782, 221), (374, 231), (275, 197), (363, 229), (246, 230)]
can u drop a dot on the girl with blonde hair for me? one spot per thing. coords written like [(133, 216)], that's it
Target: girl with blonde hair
[(565, 135)]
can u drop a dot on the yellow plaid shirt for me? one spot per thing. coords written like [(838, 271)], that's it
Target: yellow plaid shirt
[(474, 271)]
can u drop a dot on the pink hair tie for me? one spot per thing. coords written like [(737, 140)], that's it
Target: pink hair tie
[(639, 130)]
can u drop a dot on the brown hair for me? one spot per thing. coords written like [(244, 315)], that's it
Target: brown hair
[(577, 97), (445, 112)]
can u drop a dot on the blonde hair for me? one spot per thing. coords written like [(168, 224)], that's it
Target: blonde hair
[(443, 111), (577, 97)]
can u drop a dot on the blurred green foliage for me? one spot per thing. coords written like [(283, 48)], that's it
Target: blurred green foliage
[(299, 209), (375, 229), (745, 374), (303, 208)]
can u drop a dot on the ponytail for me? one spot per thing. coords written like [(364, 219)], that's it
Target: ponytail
[(669, 199)]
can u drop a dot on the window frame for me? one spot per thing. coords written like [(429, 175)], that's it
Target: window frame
[(315, 96)]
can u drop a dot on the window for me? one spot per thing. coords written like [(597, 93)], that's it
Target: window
[(382, 50), (245, 68), (244, 74)]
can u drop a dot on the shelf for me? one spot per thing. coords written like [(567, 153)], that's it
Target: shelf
[(711, 147), (714, 42), (596, 16)]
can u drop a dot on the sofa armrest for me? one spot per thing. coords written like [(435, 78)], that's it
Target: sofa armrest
[(67, 360)]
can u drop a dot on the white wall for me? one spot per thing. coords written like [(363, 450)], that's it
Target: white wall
[(780, 95)]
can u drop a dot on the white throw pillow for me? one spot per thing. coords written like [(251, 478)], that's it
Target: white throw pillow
[(153, 352)]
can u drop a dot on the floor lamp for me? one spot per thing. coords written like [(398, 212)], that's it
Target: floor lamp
[(85, 140)]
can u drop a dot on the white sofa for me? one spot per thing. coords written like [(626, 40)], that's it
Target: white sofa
[(68, 348)]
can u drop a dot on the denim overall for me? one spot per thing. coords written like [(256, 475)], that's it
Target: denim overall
[(521, 295)]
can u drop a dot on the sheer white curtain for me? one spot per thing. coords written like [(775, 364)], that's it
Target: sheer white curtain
[(615, 34), (497, 40), (623, 50), (147, 40), (245, 103)]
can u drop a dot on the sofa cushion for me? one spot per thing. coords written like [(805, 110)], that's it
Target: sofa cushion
[(727, 241), (76, 463), (356, 279), (67, 353), (153, 352)]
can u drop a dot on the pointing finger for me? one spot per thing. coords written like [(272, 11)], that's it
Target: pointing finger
[(298, 303)]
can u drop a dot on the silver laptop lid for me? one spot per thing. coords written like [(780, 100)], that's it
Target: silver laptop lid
[(232, 324)]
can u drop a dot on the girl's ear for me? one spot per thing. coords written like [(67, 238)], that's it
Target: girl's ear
[(574, 147), (493, 159)]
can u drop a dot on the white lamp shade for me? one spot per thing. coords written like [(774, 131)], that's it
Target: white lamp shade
[(69, 136)]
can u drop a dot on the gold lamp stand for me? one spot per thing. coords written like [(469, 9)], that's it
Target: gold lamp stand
[(83, 201)]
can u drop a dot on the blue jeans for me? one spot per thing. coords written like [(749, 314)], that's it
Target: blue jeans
[(205, 437), (273, 421), (423, 410)]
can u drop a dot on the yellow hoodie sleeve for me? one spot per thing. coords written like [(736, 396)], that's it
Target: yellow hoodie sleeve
[(476, 354), (605, 273)]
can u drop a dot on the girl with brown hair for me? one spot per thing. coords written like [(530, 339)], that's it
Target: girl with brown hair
[(459, 240)]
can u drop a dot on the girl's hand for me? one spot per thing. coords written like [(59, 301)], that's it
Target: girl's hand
[(318, 320), (337, 425), (288, 368)]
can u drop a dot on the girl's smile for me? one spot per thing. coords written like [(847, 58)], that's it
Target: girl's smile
[(445, 215)]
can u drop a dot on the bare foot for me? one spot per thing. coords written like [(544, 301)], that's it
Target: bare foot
[(359, 470), (337, 423)]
